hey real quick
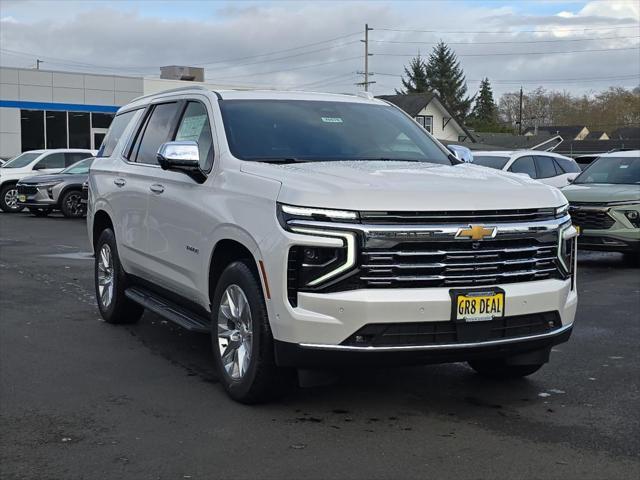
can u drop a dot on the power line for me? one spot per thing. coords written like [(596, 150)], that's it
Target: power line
[(515, 53), (506, 42), (613, 77), (509, 31)]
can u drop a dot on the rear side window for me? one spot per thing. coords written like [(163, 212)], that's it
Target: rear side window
[(157, 130), (546, 167), (524, 165), (71, 158), (567, 166), (118, 126), (195, 126), (55, 160)]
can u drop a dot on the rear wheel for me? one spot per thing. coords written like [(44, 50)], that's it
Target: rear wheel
[(499, 369), (71, 204), (9, 199), (111, 282), (242, 340)]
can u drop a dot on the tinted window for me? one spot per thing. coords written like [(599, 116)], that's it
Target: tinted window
[(567, 166), (546, 167), (74, 157), (54, 160), (56, 129), (491, 161), (322, 130), (32, 129), (617, 170), (79, 130), (101, 120), (116, 130), (157, 131), (195, 126), (524, 165), (79, 167), (21, 160)]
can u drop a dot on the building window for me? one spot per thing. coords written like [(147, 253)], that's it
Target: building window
[(426, 121), (32, 129), (79, 130), (101, 120), (56, 128)]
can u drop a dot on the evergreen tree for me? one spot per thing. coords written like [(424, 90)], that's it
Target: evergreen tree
[(485, 111), (416, 81), (445, 77)]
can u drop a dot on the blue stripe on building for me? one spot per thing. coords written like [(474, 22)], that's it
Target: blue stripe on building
[(71, 107)]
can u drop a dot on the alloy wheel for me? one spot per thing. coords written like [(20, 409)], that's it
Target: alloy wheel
[(73, 204), (11, 198), (235, 332), (105, 276)]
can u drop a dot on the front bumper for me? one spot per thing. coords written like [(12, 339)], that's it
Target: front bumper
[(39, 199), (621, 236), (334, 356)]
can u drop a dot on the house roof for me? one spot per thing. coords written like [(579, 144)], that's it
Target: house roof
[(574, 148), (413, 103), (626, 133), (565, 131), (594, 134), (508, 141)]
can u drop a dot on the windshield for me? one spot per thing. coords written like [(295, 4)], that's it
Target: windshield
[(21, 160), (79, 167), (491, 161), (615, 170), (298, 130)]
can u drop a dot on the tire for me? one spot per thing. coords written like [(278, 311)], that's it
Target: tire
[(499, 369), (257, 379), (71, 205), (111, 282), (40, 212), (9, 199)]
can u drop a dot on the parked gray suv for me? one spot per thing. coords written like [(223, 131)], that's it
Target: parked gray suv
[(44, 193)]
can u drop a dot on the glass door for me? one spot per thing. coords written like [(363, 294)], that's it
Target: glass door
[(97, 136)]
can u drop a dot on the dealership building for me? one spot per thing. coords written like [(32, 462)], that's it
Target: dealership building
[(52, 109)]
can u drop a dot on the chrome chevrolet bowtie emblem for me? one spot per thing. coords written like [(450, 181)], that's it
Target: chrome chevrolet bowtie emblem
[(476, 232)]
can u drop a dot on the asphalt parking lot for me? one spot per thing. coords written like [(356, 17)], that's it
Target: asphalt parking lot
[(83, 399)]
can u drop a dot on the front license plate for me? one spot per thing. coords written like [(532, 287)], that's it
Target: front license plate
[(22, 198), (477, 306)]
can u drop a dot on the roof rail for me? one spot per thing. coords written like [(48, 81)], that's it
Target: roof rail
[(173, 90)]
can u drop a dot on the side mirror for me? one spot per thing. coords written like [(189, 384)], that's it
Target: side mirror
[(570, 180), (461, 153), (182, 157)]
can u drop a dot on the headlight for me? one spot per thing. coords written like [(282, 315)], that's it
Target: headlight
[(567, 247), (562, 211), (286, 213)]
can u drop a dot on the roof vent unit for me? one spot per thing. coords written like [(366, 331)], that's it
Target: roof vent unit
[(187, 74)]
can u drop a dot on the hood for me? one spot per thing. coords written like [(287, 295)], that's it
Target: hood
[(391, 185), (601, 192), (54, 177)]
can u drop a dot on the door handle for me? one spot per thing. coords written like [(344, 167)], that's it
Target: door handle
[(157, 188), (120, 182)]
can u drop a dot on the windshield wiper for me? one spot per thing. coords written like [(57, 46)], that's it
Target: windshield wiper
[(282, 160)]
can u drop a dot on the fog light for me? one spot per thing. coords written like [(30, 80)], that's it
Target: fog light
[(634, 217)]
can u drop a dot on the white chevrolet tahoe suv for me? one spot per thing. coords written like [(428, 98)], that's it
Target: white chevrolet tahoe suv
[(313, 231)]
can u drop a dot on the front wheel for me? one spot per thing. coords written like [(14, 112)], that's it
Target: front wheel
[(499, 369), (71, 204), (242, 341), (9, 199)]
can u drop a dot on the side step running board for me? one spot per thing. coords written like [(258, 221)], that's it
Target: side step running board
[(168, 310)]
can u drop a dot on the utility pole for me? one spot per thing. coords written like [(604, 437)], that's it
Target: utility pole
[(520, 114), (38, 62), (366, 73)]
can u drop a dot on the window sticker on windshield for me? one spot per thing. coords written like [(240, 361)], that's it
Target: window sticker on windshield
[(191, 128), (331, 119)]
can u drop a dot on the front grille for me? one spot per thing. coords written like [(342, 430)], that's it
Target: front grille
[(27, 189), (449, 332), (591, 218), (459, 263), (476, 216)]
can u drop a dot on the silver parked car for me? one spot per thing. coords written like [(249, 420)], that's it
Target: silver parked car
[(44, 193)]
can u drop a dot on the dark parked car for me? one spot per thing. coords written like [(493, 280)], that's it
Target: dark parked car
[(61, 191)]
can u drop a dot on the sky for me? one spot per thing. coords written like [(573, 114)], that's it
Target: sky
[(577, 46)]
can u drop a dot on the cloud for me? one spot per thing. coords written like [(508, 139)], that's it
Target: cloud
[(137, 38)]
